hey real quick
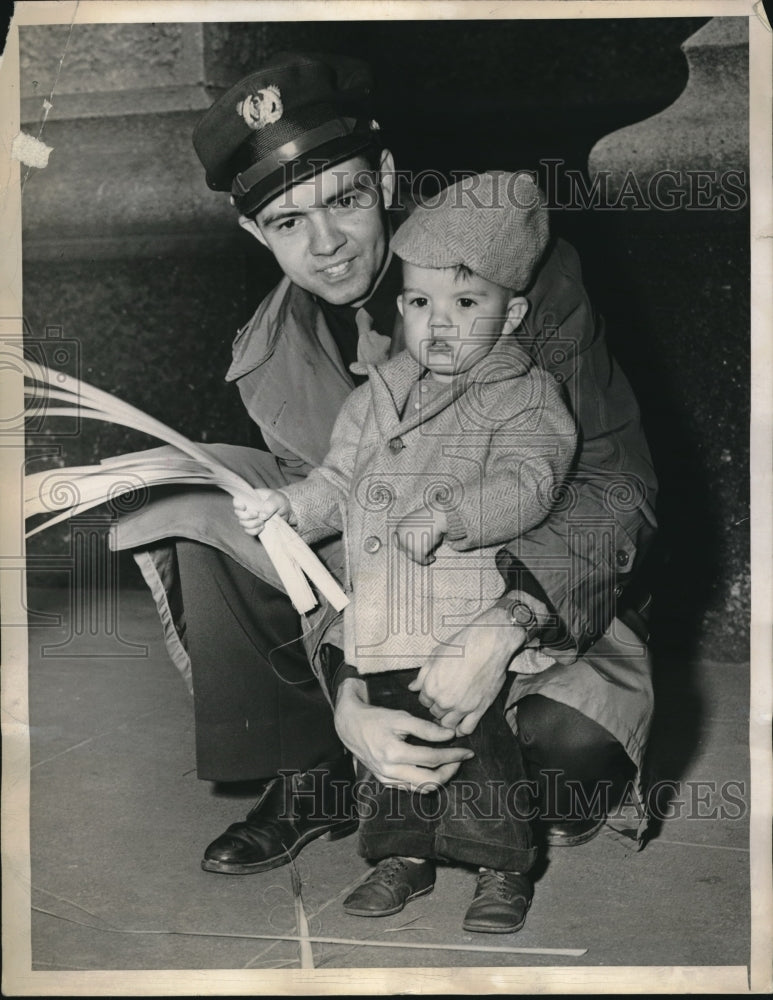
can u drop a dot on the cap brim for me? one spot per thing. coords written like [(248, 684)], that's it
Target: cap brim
[(302, 168)]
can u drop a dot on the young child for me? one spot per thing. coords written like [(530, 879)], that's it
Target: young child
[(453, 447)]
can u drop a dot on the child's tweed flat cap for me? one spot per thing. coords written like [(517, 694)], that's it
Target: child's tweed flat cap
[(496, 224)]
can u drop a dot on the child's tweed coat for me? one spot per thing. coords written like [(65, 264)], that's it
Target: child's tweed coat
[(491, 449)]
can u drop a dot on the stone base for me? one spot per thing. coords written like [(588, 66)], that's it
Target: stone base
[(676, 302)]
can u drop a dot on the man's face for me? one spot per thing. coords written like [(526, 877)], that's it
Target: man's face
[(329, 234), (450, 320)]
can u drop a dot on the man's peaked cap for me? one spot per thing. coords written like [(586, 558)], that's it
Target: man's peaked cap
[(296, 116)]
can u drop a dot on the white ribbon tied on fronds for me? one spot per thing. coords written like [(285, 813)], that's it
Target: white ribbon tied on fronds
[(72, 491)]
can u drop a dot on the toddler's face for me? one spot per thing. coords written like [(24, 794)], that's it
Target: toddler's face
[(451, 321)]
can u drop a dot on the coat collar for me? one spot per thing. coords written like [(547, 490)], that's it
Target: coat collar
[(257, 340), (391, 384)]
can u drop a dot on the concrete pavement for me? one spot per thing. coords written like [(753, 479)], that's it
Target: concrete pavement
[(119, 821)]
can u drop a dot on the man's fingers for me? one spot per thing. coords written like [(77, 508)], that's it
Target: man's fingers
[(425, 700), (468, 724), (384, 779), (430, 698), (423, 729), (451, 719), (441, 711), (444, 774), (435, 757), (418, 682)]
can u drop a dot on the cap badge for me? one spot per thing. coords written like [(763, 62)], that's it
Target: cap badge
[(261, 109)]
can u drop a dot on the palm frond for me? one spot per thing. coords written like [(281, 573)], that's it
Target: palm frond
[(69, 491)]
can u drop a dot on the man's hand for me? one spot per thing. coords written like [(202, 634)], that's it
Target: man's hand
[(253, 512), (376, 737), (419, 533), (459, 690)]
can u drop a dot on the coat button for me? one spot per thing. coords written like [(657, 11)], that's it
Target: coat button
[(622, 558), (618, 590), (372, 544), (396, 445)]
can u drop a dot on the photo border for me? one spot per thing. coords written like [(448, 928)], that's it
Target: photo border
[(18, 977)]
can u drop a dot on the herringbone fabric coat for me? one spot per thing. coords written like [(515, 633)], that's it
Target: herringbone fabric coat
[(491, 449)]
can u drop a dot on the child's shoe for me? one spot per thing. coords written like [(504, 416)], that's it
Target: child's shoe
[(391, 884), (500, 904)]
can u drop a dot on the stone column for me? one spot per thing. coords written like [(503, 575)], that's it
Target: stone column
[(130, 261), (677, 262), (707, 128), (123, 179)]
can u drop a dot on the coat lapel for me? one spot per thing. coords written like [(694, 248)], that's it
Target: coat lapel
[(391, 384)]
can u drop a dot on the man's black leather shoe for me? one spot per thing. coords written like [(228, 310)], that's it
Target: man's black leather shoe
[(391, 884), (572, 833), (500, 904), (293, 810)]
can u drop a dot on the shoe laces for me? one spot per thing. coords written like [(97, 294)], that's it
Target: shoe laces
[(389, 869), (490, 878)]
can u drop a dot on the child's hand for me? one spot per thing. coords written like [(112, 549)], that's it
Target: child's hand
[(253, 513), (419, 534)]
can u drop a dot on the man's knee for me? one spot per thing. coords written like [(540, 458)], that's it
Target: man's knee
[(208, 573), (556, 735), (578, 765)]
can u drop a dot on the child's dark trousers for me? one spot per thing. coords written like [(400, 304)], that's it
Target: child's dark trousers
[(480, 817)]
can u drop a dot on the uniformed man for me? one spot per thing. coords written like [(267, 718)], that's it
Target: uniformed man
[(295, 146)]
